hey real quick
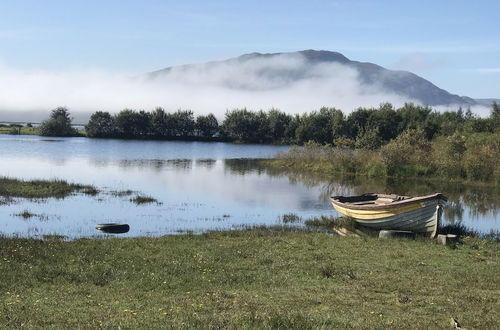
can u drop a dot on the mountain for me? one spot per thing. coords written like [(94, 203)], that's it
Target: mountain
[(402, 83)]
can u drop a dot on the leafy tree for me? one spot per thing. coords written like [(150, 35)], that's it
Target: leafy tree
[(133, 124), (59, 124), (101, 125), (369, 139), (207, 126), (338, 125), (357, 121), (451, 122), (412, 116), (317, 126), (246, 126), (278, 123), (495, 117), (160, 124), (183, 123), (291, 129), (385, 120)]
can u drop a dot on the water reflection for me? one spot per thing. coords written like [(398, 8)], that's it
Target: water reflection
[(476, 206), (197, 187)]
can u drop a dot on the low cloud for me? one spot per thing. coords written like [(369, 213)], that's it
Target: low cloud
[(286, 82)]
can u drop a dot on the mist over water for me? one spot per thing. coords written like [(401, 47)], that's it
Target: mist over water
[(286, 81)]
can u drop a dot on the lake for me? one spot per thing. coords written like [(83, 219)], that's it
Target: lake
[(199, 187)]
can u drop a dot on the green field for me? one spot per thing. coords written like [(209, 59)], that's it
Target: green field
[(19, 130), (246, 280)]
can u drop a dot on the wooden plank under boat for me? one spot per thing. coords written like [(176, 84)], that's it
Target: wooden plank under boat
[(420, 214)]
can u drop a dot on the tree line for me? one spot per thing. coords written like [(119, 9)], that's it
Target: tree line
[(364, 128)]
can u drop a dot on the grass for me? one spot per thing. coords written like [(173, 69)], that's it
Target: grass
[(140, 200), (19, 130), (246, 280), (473, 159), (290, 218), (10, 187), (121, 193), (26, 214)]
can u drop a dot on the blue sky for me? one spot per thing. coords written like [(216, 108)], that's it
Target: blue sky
[(455, 44)]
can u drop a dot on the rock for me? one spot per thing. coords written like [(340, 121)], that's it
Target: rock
[(450, 238), (447, 239), (396, 233)]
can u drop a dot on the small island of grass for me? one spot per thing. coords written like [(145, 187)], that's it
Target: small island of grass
[(10, 187)]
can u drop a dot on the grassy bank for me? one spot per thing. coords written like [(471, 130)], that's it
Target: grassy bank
[(10, 187), (24, 130), (471, 158), (248, 279)]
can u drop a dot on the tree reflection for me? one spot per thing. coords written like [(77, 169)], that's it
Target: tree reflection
[(477, 200)]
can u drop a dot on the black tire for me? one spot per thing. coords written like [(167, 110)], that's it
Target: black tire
[(113, 228)]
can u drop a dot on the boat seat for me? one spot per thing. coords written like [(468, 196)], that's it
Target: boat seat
[(363, 203)]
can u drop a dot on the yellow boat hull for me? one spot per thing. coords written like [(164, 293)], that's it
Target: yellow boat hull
[(419, 216)]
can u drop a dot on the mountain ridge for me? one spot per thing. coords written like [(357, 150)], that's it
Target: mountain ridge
[(400, 82)]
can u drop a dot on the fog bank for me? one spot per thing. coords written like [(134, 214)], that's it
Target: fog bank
[(285, 82)]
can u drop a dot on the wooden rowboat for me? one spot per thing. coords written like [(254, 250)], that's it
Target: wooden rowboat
[(420, 214)]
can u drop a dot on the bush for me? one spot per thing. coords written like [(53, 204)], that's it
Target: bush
[(482, 155), (447, 155), (369, 139), (207, 126), (100, 125), (408, 154), (59, 124)]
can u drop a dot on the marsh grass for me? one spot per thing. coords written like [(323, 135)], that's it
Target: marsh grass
[(469, 158), (327, 223), (256, 279), (6, 200), (141, 199), (121, 193), (26, 215), (290, 218), (10, 187)]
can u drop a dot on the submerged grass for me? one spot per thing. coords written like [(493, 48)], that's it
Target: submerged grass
[(10, 187), (140, 200), (26, 214), (121, 193), (246, 280), (290, 218)]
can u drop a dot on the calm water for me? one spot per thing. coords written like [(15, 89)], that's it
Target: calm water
[(199, 186)]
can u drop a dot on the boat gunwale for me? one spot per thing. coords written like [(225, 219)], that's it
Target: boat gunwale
[(335, 200)]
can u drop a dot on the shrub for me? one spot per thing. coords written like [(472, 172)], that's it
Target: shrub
[(101, 124), (482, 155), (408, 154), (369, 139), (59, 124)]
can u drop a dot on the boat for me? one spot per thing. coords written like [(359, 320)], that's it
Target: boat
[(420, 214)]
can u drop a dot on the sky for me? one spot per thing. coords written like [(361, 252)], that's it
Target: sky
[(453, 43)]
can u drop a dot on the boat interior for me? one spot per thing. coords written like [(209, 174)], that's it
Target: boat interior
[(371, 199)]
